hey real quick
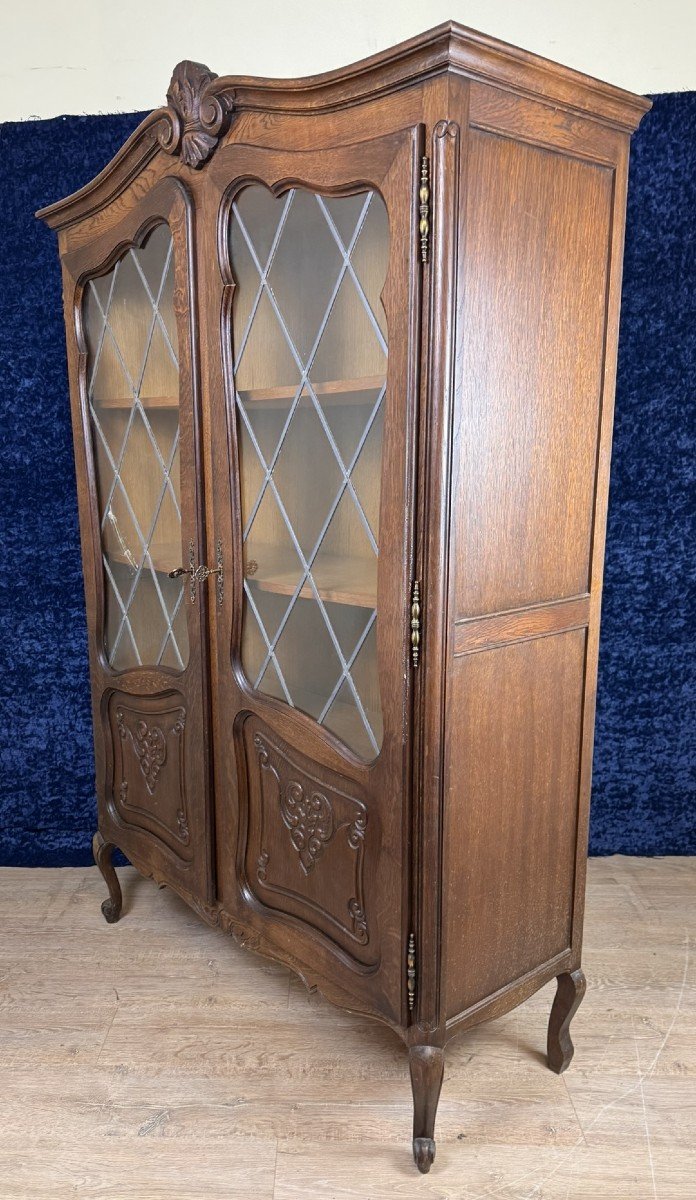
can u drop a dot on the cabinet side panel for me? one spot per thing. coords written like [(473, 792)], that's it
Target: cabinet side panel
[(535, 282), (511, 811)]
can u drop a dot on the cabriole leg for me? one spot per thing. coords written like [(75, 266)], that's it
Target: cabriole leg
[(102, 852), (426, 1064), (569, 994)]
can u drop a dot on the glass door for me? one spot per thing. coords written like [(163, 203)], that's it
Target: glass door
[(320, 299), (134, 309)]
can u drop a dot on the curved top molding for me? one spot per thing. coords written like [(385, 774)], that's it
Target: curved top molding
[(200, 104)]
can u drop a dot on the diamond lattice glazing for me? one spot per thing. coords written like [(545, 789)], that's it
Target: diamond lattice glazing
[(310, 376), (133, 389)]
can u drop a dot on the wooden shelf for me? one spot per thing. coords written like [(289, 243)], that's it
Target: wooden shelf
[(344, 719), (147, 402), (336, 391), (166, 556), (338, 579)]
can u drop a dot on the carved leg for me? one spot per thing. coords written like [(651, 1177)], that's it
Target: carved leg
[(426, 1064), (560, 1049), (102, 852)]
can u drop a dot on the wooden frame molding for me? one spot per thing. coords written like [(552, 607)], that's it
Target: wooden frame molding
[(520, 625), (446, 48)]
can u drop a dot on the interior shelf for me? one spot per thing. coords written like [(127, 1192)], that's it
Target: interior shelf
[(338, 579), (335, 391), (344, 719), (147, 402), (165, 556)]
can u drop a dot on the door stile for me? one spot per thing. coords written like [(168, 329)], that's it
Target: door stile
[(439, 339)]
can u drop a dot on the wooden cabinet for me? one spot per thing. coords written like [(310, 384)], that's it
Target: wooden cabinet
[(342, 357)]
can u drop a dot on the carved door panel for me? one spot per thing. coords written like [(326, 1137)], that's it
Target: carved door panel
[(319, 304), (131, 305)]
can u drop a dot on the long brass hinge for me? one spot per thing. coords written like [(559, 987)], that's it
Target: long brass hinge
[(411, 971), (424, 208), (415, 622)]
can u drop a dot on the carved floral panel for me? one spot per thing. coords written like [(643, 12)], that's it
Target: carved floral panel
[(306, 841), (149, 782)]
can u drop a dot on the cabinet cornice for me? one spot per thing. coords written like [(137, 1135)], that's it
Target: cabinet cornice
[(199, 104)]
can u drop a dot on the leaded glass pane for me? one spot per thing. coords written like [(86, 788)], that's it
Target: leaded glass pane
[(310, 361), (133, 394)]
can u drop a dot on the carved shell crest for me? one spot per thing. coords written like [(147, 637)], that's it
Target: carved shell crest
[(194, 117)]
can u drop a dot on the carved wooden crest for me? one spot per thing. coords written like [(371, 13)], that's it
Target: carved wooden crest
[(194, 117)]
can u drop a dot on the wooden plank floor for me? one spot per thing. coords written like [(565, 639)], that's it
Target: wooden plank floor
[(155, 1059)]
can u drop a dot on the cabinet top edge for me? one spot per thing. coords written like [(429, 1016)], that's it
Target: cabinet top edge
[(449, 46), (199, 102)]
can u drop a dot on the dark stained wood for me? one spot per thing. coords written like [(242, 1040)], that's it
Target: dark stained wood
[(103, 852), (437, 395), (508, 996), (427, 1065), (195, 117), (569, 995), (466, 836)]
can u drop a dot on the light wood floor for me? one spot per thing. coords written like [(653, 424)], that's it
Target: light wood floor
[(154, 1059)]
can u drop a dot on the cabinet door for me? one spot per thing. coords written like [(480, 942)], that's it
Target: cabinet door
[(129, 300), (319, 262)]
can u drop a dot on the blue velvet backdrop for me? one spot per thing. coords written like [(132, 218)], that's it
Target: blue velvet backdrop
[(643, 796)]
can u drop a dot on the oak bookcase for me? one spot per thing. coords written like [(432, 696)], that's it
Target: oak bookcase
[(342, 355)]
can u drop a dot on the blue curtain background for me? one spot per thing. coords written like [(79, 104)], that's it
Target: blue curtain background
[(645, 752)]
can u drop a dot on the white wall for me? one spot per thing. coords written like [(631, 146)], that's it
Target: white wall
[(92, 56)]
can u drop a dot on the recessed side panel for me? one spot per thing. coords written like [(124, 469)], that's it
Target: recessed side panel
[(148, 735), (309, 837), (511, 811), (533, 324)]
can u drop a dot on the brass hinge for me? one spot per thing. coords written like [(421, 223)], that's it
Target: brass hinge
[(411, 971), (424, 208), (415, 622)]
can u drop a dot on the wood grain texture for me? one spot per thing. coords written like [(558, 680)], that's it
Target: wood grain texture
[(154, 1060), (532, 371), (511, 812), (540, 124), (520, 625)]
